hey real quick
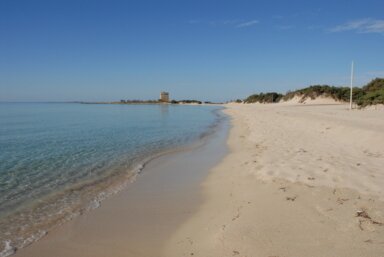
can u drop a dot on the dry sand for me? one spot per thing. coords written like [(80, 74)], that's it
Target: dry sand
[(299, 180)]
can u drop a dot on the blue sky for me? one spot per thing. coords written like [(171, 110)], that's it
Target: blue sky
[(208, 50)]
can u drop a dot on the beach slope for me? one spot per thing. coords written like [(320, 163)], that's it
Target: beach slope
[(299, 180)]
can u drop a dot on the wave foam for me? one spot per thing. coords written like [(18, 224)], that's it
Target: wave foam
[(8, 249)]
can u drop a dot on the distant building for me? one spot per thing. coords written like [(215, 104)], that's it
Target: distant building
[(164, 97)]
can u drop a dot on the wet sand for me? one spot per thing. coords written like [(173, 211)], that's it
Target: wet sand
[(138, 220)]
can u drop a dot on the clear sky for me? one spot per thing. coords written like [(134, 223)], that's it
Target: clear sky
[(65, 50)]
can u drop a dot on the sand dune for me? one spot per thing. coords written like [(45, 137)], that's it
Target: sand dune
[(299, 181), (307, 100)]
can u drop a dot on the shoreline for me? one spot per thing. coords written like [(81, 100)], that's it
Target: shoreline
[(298, 181), (141, 210), (31, 222), (286, 187)]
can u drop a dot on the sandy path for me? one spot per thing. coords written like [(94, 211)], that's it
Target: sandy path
[(299, 181)]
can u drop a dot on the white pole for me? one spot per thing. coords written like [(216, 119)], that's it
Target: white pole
[(350, 98)]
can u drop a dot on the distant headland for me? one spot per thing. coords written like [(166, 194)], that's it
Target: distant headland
[(164, 99)]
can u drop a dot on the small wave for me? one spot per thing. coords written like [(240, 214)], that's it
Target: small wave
[(66, 212), (8, 249), (139, 168), (35, 237), (60, 207)]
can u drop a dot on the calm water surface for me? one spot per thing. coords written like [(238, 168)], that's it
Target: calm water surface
[(59, 160)]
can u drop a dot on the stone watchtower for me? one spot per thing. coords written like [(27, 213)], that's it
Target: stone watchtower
[(164, 97)]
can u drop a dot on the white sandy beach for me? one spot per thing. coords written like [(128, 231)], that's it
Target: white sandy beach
[(300, 180)]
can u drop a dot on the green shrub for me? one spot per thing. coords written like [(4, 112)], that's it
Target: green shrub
[(271, 97), (370, 98), (372, 93), (374, 85)]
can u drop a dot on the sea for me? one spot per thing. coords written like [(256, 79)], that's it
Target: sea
[(60, 160)]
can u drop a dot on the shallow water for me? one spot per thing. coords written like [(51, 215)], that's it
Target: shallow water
[(59, 160)]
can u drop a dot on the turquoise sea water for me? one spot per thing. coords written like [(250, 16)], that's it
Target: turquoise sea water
[(59, 160)]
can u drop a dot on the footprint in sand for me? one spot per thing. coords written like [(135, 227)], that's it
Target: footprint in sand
[(370, 154), (190, 240), (365, 220), (302, 150), (292, 199), (236, 217), (238, 214), (341, 200)]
